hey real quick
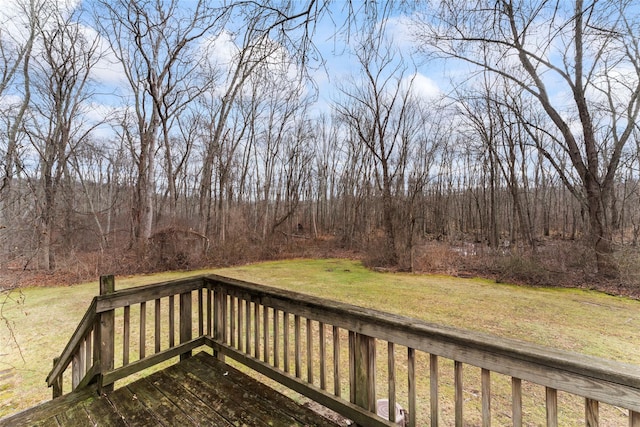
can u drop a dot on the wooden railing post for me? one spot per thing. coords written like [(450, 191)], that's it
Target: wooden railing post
[(107, 333), (365, 372), (185, 322), (219, 321), (57, 383)]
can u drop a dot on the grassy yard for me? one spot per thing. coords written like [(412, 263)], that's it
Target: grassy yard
[(41, 320)]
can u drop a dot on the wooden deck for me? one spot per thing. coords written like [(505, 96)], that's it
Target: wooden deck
[(199, 391)]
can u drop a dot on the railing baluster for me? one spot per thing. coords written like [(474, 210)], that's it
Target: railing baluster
[(143, 329), (276, 338), (126, 334), (459, 397), (323, 356), (591, 413), (634, 419), (240, 319), (433, 390), (552, 406), (296, 343), (225, 317), (247, 331), (157, 317), (391, 366), (309, 352), (516, 401), (209, 323), (232, 319), (88, 359), (172, 321), (265, 333), (256, 330), (185, 321), (352, 367), (76, 369), (411, 374), (285, 335), (486, 397), (337, 387), (200, 313)]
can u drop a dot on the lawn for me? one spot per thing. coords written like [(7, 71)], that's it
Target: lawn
[(39, 321)]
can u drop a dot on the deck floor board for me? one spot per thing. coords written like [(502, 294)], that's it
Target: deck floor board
[(197, 391)]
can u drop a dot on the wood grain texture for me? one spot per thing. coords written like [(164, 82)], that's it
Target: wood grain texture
[(195, 392)]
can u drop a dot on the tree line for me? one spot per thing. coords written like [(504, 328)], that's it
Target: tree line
[(212, 138)]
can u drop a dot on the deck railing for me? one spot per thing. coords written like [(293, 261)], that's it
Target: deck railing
[(344, 357)]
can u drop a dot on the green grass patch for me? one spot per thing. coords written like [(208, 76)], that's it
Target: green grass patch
[(41, 320)]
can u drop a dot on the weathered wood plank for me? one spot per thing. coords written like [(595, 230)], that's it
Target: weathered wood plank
[(197, 410), (47, 410), (228, 403), (354, 412), (102, 413), (255, 390), (160, 405), (132, 411), (75, 415)]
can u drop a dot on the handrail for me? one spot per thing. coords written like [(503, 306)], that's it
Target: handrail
[(85, 325), (251, 323), (506, 356)]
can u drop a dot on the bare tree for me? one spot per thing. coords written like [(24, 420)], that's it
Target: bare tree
[(375, 109), (57, 122), (155, 41), (588, 49)]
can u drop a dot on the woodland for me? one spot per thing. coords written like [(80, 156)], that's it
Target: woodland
[(152, 135)]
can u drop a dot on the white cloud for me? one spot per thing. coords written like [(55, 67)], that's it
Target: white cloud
[(423, 87)]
